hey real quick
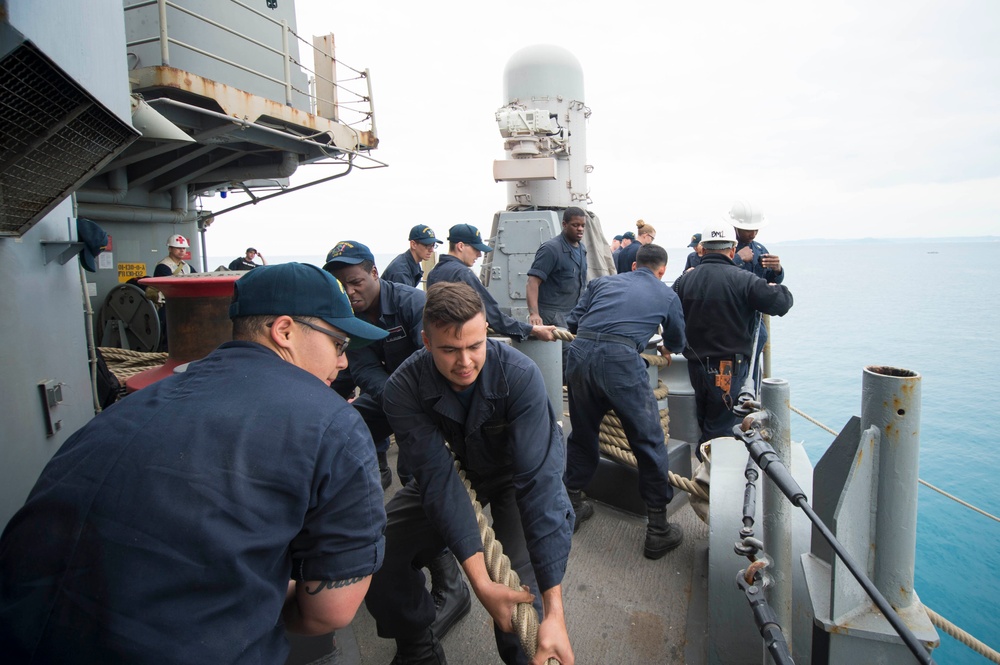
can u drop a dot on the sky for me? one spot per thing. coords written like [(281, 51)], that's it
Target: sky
[(838, 119)]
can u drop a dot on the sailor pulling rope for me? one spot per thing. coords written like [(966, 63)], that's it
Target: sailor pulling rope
[(525, 618), (613, 441)]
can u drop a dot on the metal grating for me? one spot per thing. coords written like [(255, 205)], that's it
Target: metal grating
[(53, 136)]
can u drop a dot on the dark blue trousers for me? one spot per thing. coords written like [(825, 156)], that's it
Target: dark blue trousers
[(398, 599), (608, 375), (714, 405)]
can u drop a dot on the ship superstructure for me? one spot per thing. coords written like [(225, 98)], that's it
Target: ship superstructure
[(130, 116)]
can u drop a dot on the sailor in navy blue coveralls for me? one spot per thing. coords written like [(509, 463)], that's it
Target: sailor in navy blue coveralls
[(400, 314), (395, 308), (168, 527), (614, 320), (464, 249), (504, 433), (452, 269), (405, 268), (558, 274)]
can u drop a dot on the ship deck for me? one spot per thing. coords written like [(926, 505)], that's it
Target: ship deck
[(620, 607)]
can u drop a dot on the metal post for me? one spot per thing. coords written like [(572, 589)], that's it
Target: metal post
[(890, 401), (765, 320), (288, 62), (164, 47), (371, 102), (777, 510), (202, 228)]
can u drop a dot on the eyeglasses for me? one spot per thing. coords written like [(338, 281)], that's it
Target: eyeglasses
[(340, 342)]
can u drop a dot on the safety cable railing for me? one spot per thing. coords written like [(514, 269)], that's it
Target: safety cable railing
[(285, 53), (920, 480)]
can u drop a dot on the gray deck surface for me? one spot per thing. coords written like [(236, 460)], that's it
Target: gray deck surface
[(621, 608)]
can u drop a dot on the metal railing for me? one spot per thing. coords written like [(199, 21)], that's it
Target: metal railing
[(359, 105)]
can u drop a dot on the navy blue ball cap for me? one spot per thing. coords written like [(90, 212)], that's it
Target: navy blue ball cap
[(348, 253), (628, 235), (299, 289), (695, 239), (618, 238), (468, 234), (424, 235), (94, 240)]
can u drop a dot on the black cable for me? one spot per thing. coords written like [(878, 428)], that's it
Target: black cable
[(911, 641), (769, 462)]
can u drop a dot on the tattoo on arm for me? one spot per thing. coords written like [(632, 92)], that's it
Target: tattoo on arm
[(332, 584)]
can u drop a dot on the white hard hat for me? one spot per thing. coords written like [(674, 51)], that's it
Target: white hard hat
[(178, 241), (744, 216), (718, 236)]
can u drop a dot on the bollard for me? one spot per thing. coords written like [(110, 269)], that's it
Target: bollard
[(197, 320), (890, 401)]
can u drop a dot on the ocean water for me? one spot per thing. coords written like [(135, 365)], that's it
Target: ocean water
[(933, 308), (927, 306)]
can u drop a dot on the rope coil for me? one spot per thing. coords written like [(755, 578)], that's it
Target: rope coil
[(125, 364)]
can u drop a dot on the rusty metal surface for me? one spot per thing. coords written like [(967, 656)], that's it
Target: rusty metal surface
[(239, 104)]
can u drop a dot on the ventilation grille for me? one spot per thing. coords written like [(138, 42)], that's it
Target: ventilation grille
[(53, 137)]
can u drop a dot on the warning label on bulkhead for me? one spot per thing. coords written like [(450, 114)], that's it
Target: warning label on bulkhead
[(127, 271)]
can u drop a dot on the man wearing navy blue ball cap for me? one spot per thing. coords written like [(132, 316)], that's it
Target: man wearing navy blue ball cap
[(257, 512), (398, 309), (405, 268), (465, 246), (395, 308), (694, 258)]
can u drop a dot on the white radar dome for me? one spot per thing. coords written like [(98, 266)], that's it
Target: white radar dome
[(542, 70)]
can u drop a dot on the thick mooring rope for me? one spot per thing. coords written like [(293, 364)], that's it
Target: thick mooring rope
[(124, 363), (525, 619), (968, 640)]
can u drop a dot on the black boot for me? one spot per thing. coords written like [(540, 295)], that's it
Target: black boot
[(661, 535), (584, 509), (452, 599), (422, 650), (383, 471)]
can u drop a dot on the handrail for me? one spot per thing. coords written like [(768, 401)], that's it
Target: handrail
[(165, 40), (919, 480)]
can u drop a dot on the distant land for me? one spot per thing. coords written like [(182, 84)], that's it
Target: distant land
[(883, 241)]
